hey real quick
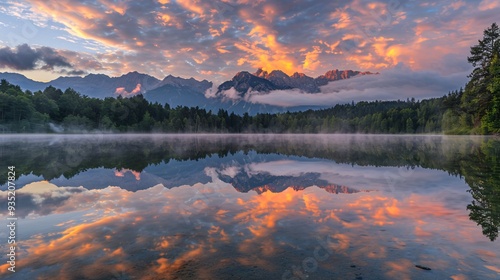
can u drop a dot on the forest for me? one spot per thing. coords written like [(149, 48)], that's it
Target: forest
[(474, 109)]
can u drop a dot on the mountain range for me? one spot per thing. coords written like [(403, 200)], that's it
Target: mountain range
[(177, 91), (262, 81)]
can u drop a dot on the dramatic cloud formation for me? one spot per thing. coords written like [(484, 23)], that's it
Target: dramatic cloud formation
[(215, 39), (23, 57)]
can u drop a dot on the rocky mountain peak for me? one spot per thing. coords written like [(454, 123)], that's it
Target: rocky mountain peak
[(278, 74), (273, 74), (242, 75), (261, 73), (297, 75), (264, 81), (244, 81)]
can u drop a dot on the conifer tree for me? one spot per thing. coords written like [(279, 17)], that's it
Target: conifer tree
[(477, 97)]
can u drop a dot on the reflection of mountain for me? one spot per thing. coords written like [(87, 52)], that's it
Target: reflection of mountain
[(260, 182), (171, 174), (129, 182), (263, 182), (476, 159), (335, 189)]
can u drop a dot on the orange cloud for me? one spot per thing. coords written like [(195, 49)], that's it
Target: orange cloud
[(121, 173), (261, 221), (368, 61), (200, 57), (75, 16), (312, 61), (165, 18), (400, 269), (121, 91), (268, 13), (118, 7), (192, 5), (342, 17), (262, 48)]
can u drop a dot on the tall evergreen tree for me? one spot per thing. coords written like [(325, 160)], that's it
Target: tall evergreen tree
[(476, 96), (492, 120)]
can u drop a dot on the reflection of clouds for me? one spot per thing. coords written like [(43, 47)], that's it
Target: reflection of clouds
[(121, 173), (40, 191), (210, 230), (39, 188), (400, 269), (262, 212), (231, 171), (41, 198), (383, 209)]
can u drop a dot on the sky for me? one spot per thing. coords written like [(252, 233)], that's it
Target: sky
[(213, 40)]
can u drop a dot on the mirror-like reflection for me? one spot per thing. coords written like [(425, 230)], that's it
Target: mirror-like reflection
[(255, 206)]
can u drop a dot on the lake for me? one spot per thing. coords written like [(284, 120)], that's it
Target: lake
[(253, 206)]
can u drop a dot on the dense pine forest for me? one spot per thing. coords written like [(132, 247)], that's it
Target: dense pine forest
[(472, 110)]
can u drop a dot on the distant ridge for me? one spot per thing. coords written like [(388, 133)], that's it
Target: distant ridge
[(178, 91), (101, 85)]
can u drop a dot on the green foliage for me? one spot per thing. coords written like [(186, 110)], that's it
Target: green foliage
[(77, 123), (481, 174), (477, 100), (491, 121)]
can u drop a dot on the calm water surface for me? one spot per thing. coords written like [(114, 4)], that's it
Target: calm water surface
[(253, 207)]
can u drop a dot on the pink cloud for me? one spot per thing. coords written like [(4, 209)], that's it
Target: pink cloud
[(121, 91), (121, 173)]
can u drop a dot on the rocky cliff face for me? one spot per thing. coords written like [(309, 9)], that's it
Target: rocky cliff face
[(244, 81), (297, 80), (335, 75)]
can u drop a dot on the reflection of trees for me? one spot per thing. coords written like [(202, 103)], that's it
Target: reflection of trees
[(482, 174), (474, 158), (51, 159)]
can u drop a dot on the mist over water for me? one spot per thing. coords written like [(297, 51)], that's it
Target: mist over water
[(255, 206)]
